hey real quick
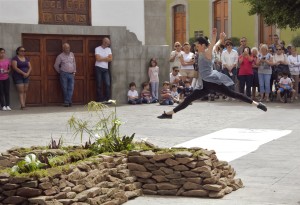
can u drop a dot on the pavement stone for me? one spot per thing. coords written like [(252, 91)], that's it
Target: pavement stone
[(270, 174)]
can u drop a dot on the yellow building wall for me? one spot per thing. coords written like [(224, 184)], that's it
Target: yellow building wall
[(287, 35), (199, 17), (241, 23), (197, 12), (168, 22)]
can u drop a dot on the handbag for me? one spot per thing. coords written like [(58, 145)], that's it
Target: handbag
[(282, 68)]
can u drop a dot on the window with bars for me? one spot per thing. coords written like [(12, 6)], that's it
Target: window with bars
[(198, 34)]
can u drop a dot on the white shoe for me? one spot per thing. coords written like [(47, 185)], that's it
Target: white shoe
[(4, 108), (227, 99), (233, 99), (8, 108)]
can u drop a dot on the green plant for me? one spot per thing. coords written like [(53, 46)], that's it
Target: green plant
[(54, 145), (29, 164), (192, 40), (296, 41), (104, 129), (235, 41)]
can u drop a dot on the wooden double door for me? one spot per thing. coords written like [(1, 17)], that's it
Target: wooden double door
[(44, 85)]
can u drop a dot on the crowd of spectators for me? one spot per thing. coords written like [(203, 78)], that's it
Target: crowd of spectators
[(264, 73)]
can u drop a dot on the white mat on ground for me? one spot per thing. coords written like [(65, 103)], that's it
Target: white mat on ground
[(232, 143)]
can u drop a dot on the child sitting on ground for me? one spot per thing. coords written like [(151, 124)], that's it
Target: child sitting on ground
[(174, 94), (187, 90), (165, 95), (146, 96), (285, 85), (133, 96)]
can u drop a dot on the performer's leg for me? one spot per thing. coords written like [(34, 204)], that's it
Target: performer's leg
[(196, 94), (227, 91)]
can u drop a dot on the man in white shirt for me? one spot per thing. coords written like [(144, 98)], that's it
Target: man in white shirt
[(229, 61), (175, 78), (103, 57)]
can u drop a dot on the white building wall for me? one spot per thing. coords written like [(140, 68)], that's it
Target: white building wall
[(19, 11), (129, 13)]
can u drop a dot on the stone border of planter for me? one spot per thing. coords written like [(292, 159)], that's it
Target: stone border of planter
[(195, 172), (110, 180)]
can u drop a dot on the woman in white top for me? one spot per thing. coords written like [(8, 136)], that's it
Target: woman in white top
[(175, 56), (187, 60), (294, 65), (280, 61)]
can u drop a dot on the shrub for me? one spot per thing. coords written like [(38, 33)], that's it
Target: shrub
[(296, 41), (235, 41), (104, 130)]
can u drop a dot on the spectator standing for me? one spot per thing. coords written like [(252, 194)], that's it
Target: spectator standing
[(65, 65), (280, 61), (187, 60), (255, 82), (289, 50), (153, 72), (217, 59), (21, 71), (294, 65), (264, 62), (4, 81), (103, 56), (276, 42), (175, 56), (229, 62), (246, 73), (243, 44)]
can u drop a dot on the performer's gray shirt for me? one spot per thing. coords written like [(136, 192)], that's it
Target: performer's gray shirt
[(207, 74)]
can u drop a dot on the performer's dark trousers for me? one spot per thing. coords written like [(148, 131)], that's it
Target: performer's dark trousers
[(210, 87)]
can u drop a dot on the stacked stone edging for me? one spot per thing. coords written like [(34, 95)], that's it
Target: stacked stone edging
[(112, 180), (105, 180), (196, 172)]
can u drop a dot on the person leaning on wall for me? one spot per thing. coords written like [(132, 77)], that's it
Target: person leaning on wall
[(21, 72), (65, 65), (103, 56), (4, 81)]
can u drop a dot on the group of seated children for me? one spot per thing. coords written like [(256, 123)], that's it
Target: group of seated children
[(168, 95), (133, 95)]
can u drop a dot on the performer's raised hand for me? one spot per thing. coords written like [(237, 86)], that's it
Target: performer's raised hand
[(222, 36)]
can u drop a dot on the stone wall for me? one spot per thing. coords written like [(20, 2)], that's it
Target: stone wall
[(115, 179), (196, 173), (105, 180)]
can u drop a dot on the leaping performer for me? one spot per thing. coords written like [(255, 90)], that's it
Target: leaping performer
[(210, 80)]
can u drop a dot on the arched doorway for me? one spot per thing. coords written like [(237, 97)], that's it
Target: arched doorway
[(179, 20)]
